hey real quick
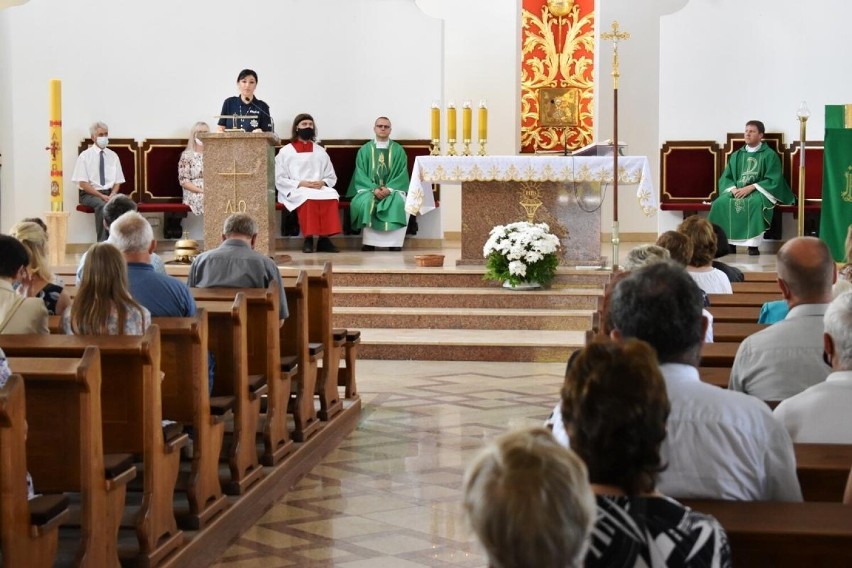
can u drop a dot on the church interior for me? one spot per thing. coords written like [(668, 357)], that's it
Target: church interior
[(446, 361)]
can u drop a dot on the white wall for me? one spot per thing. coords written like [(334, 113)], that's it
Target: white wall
[(150, 69), (725, 62)]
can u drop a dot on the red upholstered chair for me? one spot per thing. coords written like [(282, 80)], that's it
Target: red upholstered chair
[(689, 172)]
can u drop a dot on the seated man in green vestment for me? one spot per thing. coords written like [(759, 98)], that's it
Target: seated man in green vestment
[(750, 187), (378, 190)]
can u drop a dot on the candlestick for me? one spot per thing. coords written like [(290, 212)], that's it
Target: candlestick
[(436, 129), (467, 120), (803, 113), (55, 148), (451, 128), (483, 120)]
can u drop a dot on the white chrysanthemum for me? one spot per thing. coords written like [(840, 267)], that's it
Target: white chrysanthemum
[(533, 256), (517, 268)]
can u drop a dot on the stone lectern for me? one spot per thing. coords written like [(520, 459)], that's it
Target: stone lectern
[(239, 177)]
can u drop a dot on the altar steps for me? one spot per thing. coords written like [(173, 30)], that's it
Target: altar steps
[(454, 315)]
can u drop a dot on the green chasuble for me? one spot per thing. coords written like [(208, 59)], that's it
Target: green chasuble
[(748, 217), (836, 213), (377, 167)]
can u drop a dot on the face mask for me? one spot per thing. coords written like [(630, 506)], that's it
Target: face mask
[(305, 133), (198, 142), (102, 141)]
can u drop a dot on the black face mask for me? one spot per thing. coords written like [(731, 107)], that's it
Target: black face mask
[(305, 133)]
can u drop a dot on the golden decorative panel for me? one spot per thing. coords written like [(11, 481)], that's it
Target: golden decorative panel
[(557, 75)]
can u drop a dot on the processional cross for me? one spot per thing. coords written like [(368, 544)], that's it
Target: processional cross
[(235, 205), (615, 36)]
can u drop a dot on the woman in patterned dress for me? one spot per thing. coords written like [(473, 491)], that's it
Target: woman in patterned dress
[(39, 281), (191, 169), (614, 406), (103, 305)]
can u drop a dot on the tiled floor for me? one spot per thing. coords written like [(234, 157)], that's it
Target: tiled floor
[(389, 496)]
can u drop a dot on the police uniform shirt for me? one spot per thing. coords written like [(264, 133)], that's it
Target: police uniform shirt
[(256, 113)]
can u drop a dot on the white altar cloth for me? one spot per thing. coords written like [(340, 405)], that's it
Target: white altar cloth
[(632, 170)]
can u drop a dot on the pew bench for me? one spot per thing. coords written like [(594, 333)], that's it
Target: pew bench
[(320, 330), (65, 448), (750, 287), (186, 400), (823, 470), (227, 340), (734, 332), (718, 354), (716, 376), (131, 406), (742, 299), (263, 359), (29, 530), (783, 535), (741, 314)]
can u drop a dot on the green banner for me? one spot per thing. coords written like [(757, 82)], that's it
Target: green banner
[(836, 213)]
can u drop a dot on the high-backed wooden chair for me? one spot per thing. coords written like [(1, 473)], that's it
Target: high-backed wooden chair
[(29, 531), (186, 399), (65, 448)]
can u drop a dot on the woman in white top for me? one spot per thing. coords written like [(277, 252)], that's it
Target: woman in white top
[(700, 233)]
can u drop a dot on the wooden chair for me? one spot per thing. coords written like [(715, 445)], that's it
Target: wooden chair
[(65, 448), (320, 330), (29, 531), (131, 406), (186, 399), (228, 340), (263, 359), (296, 349)]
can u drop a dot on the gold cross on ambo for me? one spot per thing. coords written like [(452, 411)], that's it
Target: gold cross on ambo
[(615, 36), (235, 205)]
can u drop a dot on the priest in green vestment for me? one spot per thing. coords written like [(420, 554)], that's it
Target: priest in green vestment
[(378, 189), (750, 187)]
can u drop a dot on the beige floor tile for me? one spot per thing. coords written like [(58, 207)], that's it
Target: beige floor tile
[(396, 544), (346, 526)]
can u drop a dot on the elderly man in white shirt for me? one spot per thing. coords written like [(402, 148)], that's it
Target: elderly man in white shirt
[(720, 444), (821, 414), (98, 174)]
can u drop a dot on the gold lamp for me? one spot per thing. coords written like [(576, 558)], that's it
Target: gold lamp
[(559, 8)]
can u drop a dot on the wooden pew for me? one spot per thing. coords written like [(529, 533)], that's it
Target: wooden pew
[(320, 330), (784, 535), (823, 470), (186, 399), (739, 300), (741, 314), (734, 332), (29, 531), (65, 448), (718, 354), (346, 373), (296, 347), (131, 407), (750, 287), (263, 359), (227, 341), (761, 276), (717, 376)]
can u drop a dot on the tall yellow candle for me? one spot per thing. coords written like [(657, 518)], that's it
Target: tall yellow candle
[(467, 120), (436, 121), (451, 121), (483, 120), (56, 201)]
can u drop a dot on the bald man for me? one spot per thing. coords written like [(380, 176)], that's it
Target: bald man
[(786, 358)]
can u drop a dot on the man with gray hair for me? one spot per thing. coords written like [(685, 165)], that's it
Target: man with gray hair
[(163, 295), (235, 263), (786, 358), (821, 414), (98, 175), (117, 206)]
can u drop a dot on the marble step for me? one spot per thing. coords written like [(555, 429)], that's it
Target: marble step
[(474, 298), (468, 345), (457, 278), (462, 318)]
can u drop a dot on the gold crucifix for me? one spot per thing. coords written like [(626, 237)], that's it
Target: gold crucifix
[(615, 36), (235, 205)]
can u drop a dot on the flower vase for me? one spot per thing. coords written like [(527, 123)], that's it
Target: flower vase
[(521, 285)]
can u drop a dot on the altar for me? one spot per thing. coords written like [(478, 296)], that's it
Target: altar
[(565, 192)]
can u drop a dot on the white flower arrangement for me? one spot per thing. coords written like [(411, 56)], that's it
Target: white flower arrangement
[(520, 253)]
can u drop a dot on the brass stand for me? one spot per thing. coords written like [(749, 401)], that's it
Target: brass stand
[(803, 115), (466, 147), (482, 142), (451, 147), (436, 147)]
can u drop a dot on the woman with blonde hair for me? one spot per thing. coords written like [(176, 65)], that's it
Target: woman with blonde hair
[(39, 281), (191, 169), (103, 305), (700, 268)]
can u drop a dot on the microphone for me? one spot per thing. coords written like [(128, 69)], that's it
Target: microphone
[(271, 120)]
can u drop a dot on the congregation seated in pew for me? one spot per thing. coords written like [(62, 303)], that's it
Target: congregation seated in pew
[(17, 313), (704, 245), (38, 280)]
